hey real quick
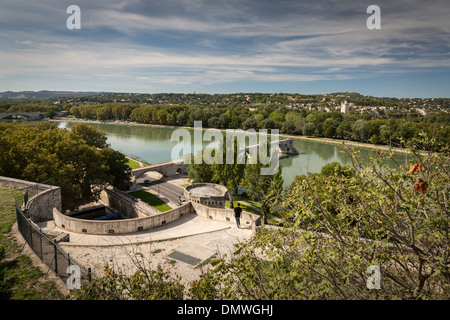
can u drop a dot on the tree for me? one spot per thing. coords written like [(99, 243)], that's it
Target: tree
[(339, 226), (360, 130), (308, 129), (51, 113), (335, 168), (288, 127), (144, 284), (229, 174), (200, 172), (118, 168), (264, 188), (329, 127), (89, 135), (78, 161)]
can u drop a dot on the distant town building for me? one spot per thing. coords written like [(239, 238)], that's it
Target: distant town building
[(345, 107)]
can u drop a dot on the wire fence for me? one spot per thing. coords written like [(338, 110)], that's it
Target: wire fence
[(48, 250)]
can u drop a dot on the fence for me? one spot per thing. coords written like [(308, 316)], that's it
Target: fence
[(48, 250)]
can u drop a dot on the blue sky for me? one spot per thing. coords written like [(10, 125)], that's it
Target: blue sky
[(227, 46)]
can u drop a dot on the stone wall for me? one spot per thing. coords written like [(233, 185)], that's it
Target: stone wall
[(120, 226), (226, 215), (216, 201), (128, 206), (42, 198)]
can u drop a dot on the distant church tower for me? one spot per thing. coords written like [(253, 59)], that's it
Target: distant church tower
[(345, 107)]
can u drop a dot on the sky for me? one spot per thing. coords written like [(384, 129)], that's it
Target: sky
[(227, 46)]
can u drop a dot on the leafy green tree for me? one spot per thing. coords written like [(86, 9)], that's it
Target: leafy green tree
[(230, 175), (288, 127), (89, 135), (266, 189), (201, 171), (118, 168), (329, 127), (51, 113), (335, 168), (360, 130), (308, 129), (79, 161), (338, 226), (144, 284)]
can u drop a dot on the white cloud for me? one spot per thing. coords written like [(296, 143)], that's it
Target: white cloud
[(220, 41)]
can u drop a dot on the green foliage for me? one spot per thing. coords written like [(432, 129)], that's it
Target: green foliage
[(338, 225), (335, 168), (132, 164), (200, 171), (304, 116), (226, 173), (90, 135), (151, 199), (118, 168), (266, 189), (5, 291), (19, 279), (144, 284), (78, 161)]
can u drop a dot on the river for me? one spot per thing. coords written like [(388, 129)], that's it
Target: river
[(153, 144)]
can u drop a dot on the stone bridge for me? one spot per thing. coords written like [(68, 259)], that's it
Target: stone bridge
[(23, 115), (285, 146), (168, 169)]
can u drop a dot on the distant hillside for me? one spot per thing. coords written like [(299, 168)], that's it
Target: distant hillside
[(26, 95), (345, 94)]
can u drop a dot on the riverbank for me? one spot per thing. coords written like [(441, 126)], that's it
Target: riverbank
[(340, 142)]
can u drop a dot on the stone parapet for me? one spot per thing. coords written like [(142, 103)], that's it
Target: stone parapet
[(119, 226), (43, 198)]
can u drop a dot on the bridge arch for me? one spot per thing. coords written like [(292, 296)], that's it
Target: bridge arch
[(167, 169), (27, 115)]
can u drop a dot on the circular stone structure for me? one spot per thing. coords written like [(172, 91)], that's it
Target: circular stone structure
[(209, 194)]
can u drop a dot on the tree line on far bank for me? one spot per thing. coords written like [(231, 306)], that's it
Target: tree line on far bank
[(263, 111), (385, 128)]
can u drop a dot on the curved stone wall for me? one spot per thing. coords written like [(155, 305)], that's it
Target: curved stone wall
[(128, 206), (43, 198), (119, 226), (226, 215), (216, 200)]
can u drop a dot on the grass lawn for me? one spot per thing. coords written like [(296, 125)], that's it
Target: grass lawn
[(243, 206), (22, 279), (253, 203), (248, 200), (133, 164), (151, 199), (270, 220)]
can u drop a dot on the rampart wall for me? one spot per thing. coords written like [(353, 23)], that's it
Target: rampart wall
[(128, 206), (119, 226), (226, 215), (42, 198)]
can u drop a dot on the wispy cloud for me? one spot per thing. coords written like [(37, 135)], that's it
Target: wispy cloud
[(204, 42)]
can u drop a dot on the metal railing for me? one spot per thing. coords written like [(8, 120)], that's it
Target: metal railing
[(48, 250)]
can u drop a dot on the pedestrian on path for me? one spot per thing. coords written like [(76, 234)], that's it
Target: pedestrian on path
[(237, 215)]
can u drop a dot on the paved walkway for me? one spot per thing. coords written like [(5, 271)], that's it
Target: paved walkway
[(173, 246), (186, 226)]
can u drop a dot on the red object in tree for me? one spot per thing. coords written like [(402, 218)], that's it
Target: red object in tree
[(415, 168), (421, 186)]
